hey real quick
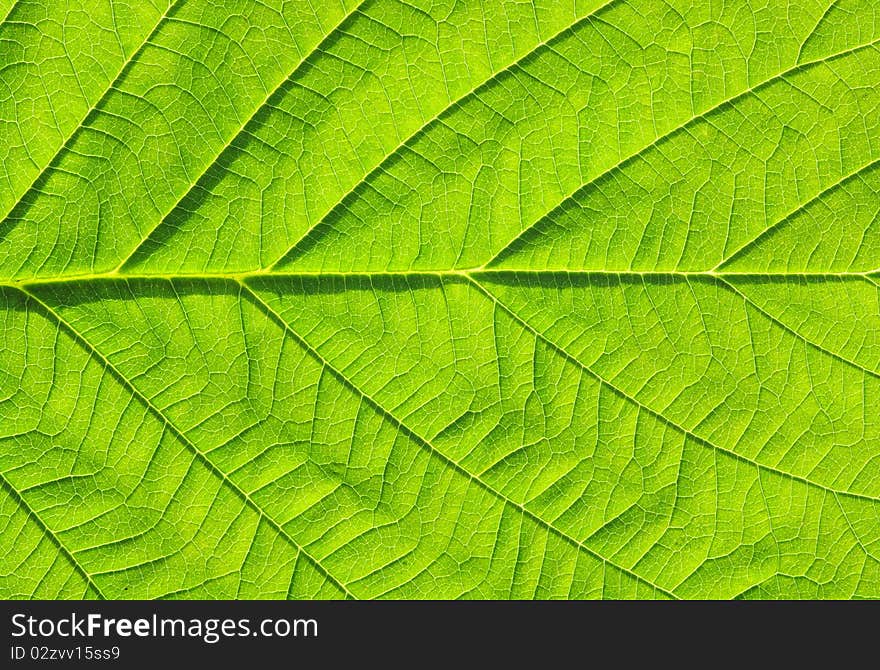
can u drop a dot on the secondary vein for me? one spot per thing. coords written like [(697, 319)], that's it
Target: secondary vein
[(181, 436)]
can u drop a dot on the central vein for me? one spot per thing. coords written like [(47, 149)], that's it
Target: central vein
[(415, 274)]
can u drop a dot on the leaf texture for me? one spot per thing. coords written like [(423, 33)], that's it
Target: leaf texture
[(447, 299)]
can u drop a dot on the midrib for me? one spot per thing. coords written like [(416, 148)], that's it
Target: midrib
[(425, 274)]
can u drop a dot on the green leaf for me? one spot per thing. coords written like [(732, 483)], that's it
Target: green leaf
[(440, 299)]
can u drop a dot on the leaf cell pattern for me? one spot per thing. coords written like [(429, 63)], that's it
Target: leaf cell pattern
[(440, 299)]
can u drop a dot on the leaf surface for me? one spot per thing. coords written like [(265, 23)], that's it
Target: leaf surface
[(440, 299)]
